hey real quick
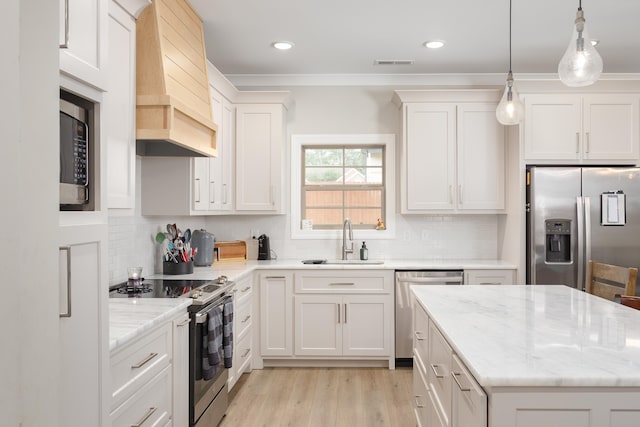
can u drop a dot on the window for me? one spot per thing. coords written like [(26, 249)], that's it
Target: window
[(334, 177), (341, 182)]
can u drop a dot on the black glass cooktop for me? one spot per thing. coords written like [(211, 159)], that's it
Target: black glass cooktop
[(156, 288)]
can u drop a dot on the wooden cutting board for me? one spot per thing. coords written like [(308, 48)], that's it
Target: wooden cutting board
[(231, 251)]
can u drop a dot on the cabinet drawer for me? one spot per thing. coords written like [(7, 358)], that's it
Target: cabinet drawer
[(469, 399), (489, 277), (137, 363), (243, 353), (420, 331), (150, 406), (420, 394), (343, 282), (244, 290), (242, 318), (439, 372)]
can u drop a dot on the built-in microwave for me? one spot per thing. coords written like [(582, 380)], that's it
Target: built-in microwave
[(74, 153)]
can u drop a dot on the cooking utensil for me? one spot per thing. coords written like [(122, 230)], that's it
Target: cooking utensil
[(171, 228), (160, 237), (187, 235)]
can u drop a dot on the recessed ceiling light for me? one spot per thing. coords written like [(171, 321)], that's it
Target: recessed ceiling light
[(594, 42), (282, 45), (434, 44)]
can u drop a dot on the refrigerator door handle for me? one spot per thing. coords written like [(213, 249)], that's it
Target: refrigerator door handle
[(581, 227), (587, 230)]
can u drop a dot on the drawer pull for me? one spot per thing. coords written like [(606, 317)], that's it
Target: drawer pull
[(341, 284), (435, 372), (419, 336), (455, 378), (145, 417), (246, 318), (274, 277), (247, 351), (144, 361), (417, 402), (246, 289), (183, 323), (489, 283)]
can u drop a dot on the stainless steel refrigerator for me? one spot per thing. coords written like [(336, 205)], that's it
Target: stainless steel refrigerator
[(575, 214)]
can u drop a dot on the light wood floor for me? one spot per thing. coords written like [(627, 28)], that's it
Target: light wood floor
[(322, 397)]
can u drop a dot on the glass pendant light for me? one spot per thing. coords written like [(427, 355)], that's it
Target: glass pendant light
[(510, 110), (581, 64)]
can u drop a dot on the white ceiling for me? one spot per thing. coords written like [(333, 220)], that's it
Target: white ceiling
[(346, 36)]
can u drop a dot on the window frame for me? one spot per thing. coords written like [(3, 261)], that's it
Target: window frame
[(343, 140)]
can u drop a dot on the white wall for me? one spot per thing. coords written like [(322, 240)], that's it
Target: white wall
[(29, 194)]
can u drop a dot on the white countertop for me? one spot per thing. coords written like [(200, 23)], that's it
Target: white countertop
[(236, 270), (537, 335), (131, 317)]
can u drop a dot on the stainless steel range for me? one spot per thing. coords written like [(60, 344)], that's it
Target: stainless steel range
[(208, 394)]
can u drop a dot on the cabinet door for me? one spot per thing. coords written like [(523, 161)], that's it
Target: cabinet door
[(439, 373), (119, 101), (469, 401), (481, 161), (214, 183), (276, 314), (259, 145), (489, 277), (84, 53), (367, 324), (81, 344), (200, 182), (429, 157), (180, 366), (611, 125), (553, 127), (318, 325)]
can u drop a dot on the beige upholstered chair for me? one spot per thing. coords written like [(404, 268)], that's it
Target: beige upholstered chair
[(607, 281)]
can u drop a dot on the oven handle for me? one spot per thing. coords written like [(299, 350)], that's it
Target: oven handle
[(201, 316)]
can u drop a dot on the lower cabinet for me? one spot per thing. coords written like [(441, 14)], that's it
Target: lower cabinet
[(327, 314), (149, 377), (490, 277), (242, 330)]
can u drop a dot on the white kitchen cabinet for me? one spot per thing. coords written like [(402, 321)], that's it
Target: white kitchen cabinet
[(589, 128), (439, 379), (119, 110), (83, 321), (276, 313), (220, 190), (180, 371), (242, 329), (490, 277), (83, 40), (260, 158), (453, 158), (469, 401)]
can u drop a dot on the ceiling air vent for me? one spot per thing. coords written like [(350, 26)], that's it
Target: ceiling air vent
[(394, 62)]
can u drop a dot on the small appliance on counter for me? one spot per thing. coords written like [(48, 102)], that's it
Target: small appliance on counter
[(264, 249), (203, 243)]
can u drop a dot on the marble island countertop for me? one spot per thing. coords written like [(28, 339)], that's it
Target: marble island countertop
[(511, 336), (131, 317)]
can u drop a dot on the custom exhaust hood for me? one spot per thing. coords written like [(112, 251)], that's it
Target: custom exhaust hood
[(173, 107)]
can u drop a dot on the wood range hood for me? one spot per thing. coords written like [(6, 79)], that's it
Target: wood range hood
[(173, 106)]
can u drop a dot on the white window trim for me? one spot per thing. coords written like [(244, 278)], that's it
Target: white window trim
[(388, 140)]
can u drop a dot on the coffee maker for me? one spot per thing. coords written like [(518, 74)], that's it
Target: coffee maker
[(264, 249)]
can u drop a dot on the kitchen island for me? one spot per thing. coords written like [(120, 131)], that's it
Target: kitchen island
[(524, 356)]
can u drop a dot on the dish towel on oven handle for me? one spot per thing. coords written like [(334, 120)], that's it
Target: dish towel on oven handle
[(227, 337), (212, 343)]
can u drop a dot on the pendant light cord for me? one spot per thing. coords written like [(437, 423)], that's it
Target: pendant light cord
[(510, 35), (579, 4)]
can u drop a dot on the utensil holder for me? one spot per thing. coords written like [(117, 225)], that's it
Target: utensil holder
[(169, 267)]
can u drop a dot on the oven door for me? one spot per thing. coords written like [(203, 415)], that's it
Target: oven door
[(208, 398)]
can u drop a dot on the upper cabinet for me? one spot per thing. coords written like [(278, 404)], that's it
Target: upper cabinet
[(260, 152), (221, 168), (83, 40), (453, 152), (587, 129)]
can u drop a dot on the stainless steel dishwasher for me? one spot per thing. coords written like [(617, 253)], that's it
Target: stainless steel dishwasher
[(404, 310)]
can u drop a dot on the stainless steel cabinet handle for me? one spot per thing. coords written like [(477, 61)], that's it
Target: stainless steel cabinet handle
[(65, 45), (245, 319), (183, 323), (145, 417), (246, 289), (212, 192), (450, 194), (338, 310), (197, 185), (224, 194), (577, 142), (435, 372), (247, 351), (341, 284), (455, 378), (587, 142), (489, 283), (144, 361), (419, 336), (345, 313), (417, 402), (67, 249), (273, 199), (460, 193), (274, 277)]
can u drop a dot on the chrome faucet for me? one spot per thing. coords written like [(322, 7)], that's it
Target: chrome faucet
[(345, 250)]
